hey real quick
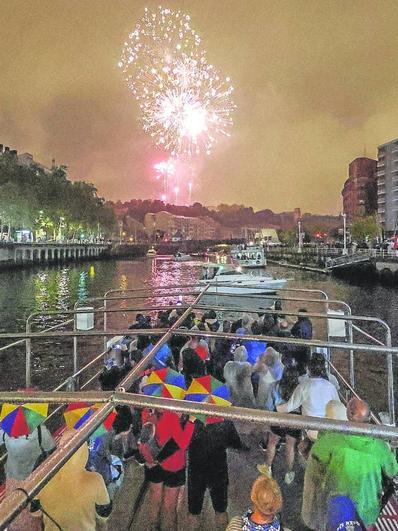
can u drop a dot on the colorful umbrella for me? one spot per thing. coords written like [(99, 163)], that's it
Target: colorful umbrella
[(208, 390), (166, 383), (78, 413), (17, 420), (105, 426)]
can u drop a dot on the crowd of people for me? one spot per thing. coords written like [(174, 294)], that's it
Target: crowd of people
[(347, 477)]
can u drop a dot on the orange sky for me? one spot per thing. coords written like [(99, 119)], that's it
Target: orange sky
[(315, 83)]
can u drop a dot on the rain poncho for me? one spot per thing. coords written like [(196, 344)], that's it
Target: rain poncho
[(70, 498), (353, 466)]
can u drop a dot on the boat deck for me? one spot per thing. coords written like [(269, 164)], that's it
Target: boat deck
[(242, 473)]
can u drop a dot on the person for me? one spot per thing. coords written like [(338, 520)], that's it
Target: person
[(313, 393), (302, 328), (237, 375), (74, 498), (281, 392), (245, 326), (352, 465), (270, 369), (221, 354), (342, 514), (208, 469), (266, 498), (193, 366), (197, 344), (23, 453), (165, 472), (314, 497)]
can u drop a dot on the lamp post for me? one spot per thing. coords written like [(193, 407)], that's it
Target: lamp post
[(300, 237), (344, 216)]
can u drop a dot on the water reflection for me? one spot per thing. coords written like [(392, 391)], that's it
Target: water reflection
[(57, 288)]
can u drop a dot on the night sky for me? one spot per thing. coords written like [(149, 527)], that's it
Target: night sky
[(316, 85)]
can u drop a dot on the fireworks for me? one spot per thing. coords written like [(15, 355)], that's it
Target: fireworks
[(186, 104)]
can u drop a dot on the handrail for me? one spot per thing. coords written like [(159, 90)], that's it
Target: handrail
[(131, 376), (16, 501), (179, 331), (286, 420)]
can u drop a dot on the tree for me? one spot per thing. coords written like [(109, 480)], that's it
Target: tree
[(364, 228)]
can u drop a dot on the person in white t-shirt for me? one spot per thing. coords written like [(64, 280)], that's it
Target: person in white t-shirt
[(313, 393)]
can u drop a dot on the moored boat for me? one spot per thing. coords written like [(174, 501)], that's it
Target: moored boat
[(248, 256)]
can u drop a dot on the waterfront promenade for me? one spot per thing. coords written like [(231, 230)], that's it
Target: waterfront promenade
[(47, 252)]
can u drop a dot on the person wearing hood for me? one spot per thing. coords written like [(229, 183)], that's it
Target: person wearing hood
[(245, 326), (267, 502), (269, 369), (74, 498), (237, 375), (349, 465)]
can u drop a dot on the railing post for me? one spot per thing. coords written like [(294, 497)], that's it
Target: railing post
[(390, 379), (75, 360), (28, 356), (351, 358), (105, 321)]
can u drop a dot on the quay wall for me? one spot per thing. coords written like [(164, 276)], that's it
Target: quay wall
[(380, 268), (25, 254)]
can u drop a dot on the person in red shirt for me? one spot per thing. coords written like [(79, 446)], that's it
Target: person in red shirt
[(166, 473)]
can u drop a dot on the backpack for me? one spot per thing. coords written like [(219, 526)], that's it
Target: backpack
[(44, 453), (147, 444)]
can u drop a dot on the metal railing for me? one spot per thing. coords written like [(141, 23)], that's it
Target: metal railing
[(324, 300), (16, 501)]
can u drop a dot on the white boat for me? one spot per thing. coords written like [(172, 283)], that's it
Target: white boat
[(151, 253), (182, 257), (248, 256), (229, 285)]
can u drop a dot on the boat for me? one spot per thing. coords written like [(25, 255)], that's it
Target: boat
[(182, 257), (248, 256), (151, 253), (229, 285)]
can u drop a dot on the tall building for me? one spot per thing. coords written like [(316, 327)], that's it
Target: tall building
[(359, 191), (387, 185), (184, 227)]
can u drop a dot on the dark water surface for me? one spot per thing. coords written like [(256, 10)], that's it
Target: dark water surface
[(23, 291)]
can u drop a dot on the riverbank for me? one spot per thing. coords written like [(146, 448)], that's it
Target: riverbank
[(300, 267)]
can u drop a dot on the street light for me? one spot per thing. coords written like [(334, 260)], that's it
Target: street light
[(344, 216), (300, 237)]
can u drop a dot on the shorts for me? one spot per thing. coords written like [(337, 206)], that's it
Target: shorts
[(157, 474), (218, 488), (282, 432)]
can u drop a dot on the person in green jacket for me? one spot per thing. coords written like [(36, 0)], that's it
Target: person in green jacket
[(350, 465)]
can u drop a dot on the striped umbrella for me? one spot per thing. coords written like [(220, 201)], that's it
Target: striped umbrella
[(78, 413), (208, 390), (17, 420), (166, 383)]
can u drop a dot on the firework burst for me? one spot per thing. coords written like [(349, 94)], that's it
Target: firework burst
[(186, 104)]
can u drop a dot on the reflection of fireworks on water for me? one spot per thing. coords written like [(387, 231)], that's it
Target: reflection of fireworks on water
[(186, 104)]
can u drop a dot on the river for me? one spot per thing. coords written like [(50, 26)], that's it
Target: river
[(39, 289)]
